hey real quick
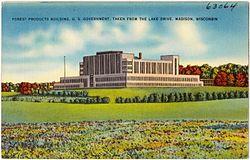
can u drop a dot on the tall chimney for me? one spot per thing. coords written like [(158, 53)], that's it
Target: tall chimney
[(140, 55)]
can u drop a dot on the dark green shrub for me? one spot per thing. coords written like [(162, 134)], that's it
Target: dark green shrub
[(182, 98), (171, 97), (209, 96), (98, 99), (137, 99), (37, 100), (119, 100), (151, 99), (177, 97), (73, 94), (237, 94), (157, 98), (14, 98), (145, 99), (186, 97), (164, 98), (221, 95), (226, 95), (93, 100), (231, 94), (82, 101), (192, 97), (215, 96), (126, 100), (201, 96), (243, 94), (84, 93), (105, 100)]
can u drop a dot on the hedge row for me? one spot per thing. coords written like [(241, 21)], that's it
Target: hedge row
[(183, 97), (50, 99), (62, 93)]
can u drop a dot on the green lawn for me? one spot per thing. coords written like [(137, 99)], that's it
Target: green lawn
[(233, 109), (132, 92), (9, 93)]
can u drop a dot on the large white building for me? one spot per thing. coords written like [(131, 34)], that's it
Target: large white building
[(115, 69)]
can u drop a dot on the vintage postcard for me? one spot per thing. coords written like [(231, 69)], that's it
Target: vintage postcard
[(124, 80)]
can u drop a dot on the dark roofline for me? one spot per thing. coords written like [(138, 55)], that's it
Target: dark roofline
[(108, 52), (170, 55)]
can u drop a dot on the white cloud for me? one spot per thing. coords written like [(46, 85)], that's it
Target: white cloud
[(68, 40), (50, 43), (36, 72), (188, 38), (32, 37), (215, 62)]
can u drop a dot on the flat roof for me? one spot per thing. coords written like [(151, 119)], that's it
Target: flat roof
[(108, 52)]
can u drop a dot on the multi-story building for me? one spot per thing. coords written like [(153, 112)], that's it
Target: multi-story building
[(115, 69)]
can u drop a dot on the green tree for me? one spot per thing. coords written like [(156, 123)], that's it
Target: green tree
[(214, 72), (206, 71)]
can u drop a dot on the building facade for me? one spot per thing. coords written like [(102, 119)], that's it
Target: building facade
[(116, 69)]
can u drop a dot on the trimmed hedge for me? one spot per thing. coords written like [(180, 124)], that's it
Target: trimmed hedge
[(57, 99), (183, 97)]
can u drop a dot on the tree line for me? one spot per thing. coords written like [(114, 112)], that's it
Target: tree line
[(183, 97), (224, 75)]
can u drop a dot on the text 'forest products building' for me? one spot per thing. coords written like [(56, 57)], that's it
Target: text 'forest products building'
[(115, 69)]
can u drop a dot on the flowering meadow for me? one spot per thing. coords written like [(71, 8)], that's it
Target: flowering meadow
[(126, 139)]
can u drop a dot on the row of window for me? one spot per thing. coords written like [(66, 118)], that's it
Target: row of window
[(110, 85), (101, 64), (105, 79), (208, 82), (73, 80), (67, 86), (153, 67), (164, 84), (163, 79), (125, 62)]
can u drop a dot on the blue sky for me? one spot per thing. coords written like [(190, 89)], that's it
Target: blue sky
[(34, 50)]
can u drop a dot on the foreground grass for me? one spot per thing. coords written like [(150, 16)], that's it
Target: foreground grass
[(126, 140), (132, 92), (230, 109)]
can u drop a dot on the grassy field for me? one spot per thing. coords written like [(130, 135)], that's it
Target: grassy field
[(132, 92), (9, 93), (234, 109)]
